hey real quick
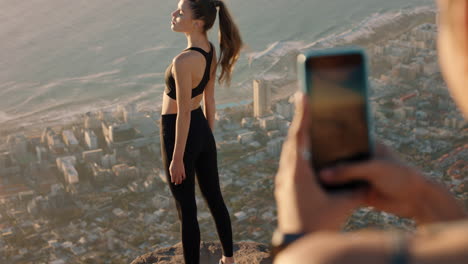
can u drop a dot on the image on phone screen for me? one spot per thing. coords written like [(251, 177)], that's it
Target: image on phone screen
[(339, 129)]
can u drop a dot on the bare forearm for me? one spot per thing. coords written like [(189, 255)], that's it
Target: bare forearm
[(182, 129), (437, 244), (441, 243), (337, 248), (210, 111)]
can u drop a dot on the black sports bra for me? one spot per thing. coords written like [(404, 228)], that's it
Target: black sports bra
[(170, 82)]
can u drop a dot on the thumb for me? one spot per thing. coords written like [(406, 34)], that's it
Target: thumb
[(300, 122), (370, 171)]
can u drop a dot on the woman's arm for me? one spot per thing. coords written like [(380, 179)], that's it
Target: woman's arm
[(183, 78), (441, 243), (209, 95), (446, 243)]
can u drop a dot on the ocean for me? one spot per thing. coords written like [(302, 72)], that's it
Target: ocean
[(60, 58)]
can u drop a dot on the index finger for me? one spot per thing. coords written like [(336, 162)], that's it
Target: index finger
[(370, 171)]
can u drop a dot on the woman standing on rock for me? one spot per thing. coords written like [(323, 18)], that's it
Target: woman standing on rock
[(187, 143)]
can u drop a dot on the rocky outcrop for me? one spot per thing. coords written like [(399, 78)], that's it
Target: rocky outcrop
[(210, 253)]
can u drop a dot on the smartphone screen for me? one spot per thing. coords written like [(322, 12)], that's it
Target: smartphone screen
[(339, 131)]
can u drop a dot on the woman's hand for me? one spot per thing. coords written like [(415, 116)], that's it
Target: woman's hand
[(177, 170), (398, 188), (302, 205)]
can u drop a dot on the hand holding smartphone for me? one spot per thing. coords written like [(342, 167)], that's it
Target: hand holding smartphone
[(336, 82)]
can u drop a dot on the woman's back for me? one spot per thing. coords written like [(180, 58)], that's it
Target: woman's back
[(202, 64)]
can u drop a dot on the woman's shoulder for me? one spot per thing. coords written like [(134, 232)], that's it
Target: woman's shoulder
[(187, 58)]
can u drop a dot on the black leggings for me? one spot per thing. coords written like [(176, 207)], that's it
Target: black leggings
[(200, 159)]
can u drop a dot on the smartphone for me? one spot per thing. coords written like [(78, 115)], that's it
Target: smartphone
[(336, 82)]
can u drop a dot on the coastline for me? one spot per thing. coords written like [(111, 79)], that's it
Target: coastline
[(362, 35), (384, 32)]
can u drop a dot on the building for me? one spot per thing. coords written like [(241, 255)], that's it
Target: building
[(53, 141), (124, 173), (459, 170), (143, 124), (93, 156), (421, 115), (121, 132), (283, 126), (400, 113), (247, 122), (105, 115), (66, 165), (91, 121), (133, 152), (262, 98), (408, 71), (56, 144), (5, 159), (70, 174), (91, 140), (455, 122), (143, 142), (377, 50), (109, 160), (65, 160), (41, 154), (8, 165), (101, 175), (17, 145), (121, 170), (431, 68), (274, 147), (127, 112), (274, 134), (285, 109), (26, 195), (268, 123), (426, 32), (246, 138), (45, 135), (35, 206), (70, 139), (55, 204), (118, 133)]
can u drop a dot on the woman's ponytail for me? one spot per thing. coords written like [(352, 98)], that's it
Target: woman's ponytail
[(229, 37), (230, 43)]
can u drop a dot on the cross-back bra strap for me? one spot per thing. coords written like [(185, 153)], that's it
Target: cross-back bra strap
[(199, 50)]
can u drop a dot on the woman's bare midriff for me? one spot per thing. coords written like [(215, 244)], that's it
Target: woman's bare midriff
[(169, 105)]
